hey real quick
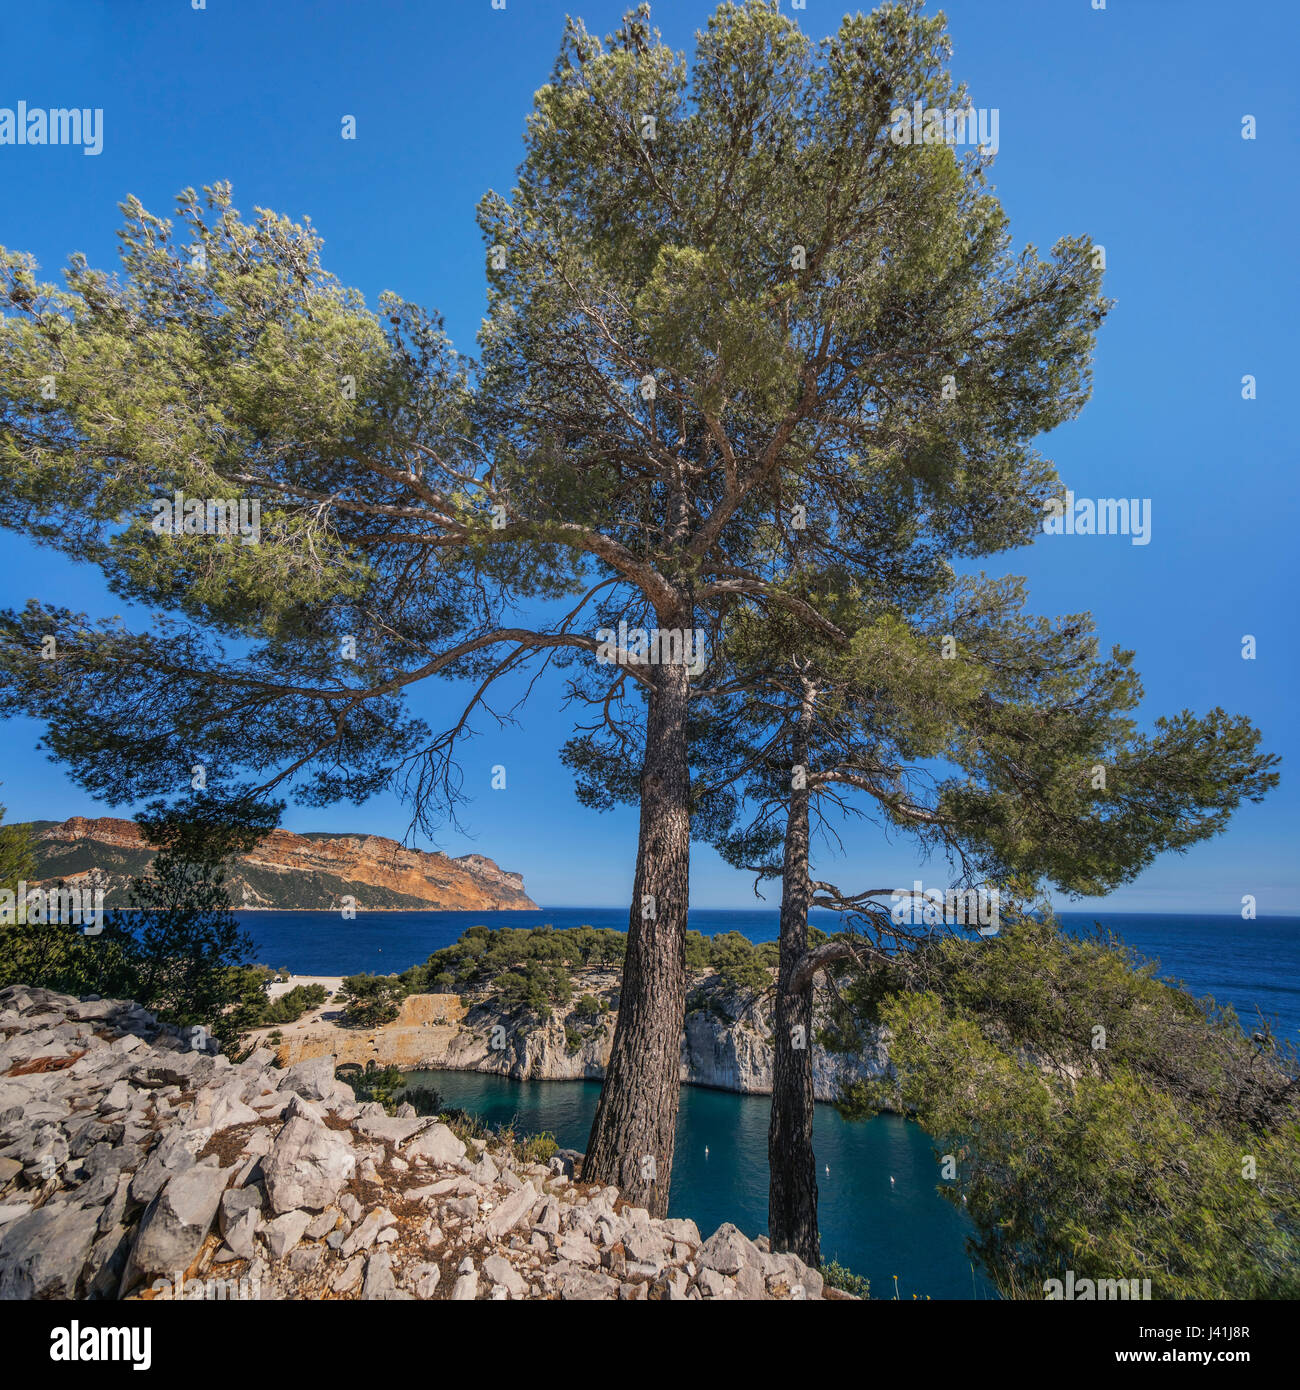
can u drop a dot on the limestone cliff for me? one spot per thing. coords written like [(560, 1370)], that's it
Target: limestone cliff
[(286, 870), (726, 1041)]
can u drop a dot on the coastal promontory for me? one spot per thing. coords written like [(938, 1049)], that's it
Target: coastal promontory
[(286, 871)]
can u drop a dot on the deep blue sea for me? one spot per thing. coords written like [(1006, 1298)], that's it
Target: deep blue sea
[(1251, 965), (877, 1228)]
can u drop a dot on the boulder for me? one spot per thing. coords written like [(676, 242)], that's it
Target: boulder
[(235, 1202), (176, 1223), (677, 1228), (312, 1079), (380, 1283), (284, 1232), (578, 1250), (229, 1111), (438, 1145), (367, 1233), (500, 1271), (391, 1130), (484, 1172), (512, 1212), (307, 1167), (42, 1255), (644, 1245), (425, 1279), (240, 1232), (578, 1285), (727, 1250), (323, 1224), (546, 1217), (306, 1259), (349, 1275), (177, 1151), (295, 1107), (716, 1285)]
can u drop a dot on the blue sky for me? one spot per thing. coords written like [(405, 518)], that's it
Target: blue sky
[(1123, 123)]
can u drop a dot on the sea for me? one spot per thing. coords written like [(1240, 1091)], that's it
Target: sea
[(881, 1211)]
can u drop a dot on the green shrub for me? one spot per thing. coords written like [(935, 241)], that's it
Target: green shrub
[(375, 1083), (476, 962), (838, 1277), (426, 1100), (1145, 1138), (371, 1000), (538, 1148)]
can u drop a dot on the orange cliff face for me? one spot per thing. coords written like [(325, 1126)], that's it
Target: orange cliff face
[(291, 871)]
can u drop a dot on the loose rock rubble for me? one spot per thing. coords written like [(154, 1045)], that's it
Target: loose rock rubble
[(133, 1167)]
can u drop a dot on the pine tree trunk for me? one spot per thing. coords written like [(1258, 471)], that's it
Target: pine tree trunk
[(792, 1166), (632, 1137)]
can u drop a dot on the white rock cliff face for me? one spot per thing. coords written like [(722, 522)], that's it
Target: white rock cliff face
[(728, 1047), (740, 1057)]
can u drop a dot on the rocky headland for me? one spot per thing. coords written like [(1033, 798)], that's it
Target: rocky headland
[(286, 871), (134, 1166)]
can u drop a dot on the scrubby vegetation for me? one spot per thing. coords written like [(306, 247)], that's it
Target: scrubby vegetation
[(1101, 1120), (256, 1008), (528, 970), (530, 967), (741, 965), (387, 1085), (838, 1277), (370, 1001), (478, 1135), (478, 960)]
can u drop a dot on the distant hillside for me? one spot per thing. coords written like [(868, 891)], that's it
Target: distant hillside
[(316, 870)]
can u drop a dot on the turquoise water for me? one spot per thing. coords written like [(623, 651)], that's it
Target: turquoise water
[(873, 1227)]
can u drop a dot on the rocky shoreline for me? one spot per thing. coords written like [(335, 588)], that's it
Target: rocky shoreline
[(726, 1039), (134, 1166)]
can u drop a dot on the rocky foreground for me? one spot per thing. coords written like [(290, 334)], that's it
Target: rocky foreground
[(133, 1166)]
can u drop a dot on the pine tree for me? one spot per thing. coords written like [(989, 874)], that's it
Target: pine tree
[(190, 945), (1000, 740), (730, 315), (727, 311)]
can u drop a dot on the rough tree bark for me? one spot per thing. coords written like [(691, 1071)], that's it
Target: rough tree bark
[(792, 1165), (633, 1134)]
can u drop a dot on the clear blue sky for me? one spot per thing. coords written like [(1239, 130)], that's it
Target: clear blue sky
[(1123, 124)]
